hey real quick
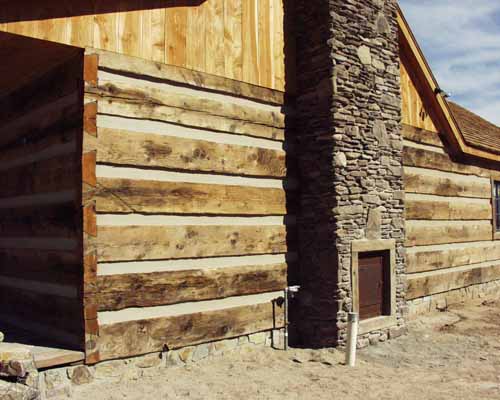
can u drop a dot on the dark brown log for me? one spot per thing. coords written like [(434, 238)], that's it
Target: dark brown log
[(59, 312), (116, 292), (150, 197), (421, 136), (425, 285), (46, 176), (50, 266), (58, 220), (150, 335)]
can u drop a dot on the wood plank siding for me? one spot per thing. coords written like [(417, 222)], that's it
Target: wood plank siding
[(449, 232), (40, 218), (238, 39), (191, 180)]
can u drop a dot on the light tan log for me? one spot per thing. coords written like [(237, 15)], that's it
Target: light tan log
[(421, 233), (196, 119), (417, 180), (116, 292), (150, 197), (151, 335), (156, 96), (153, 242), (413, 157), (158, 151), (431, 258), (430, 283), (442, 208), (421, 136), (141, 68)]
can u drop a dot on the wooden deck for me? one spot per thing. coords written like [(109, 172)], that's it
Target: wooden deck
[(45, 354)]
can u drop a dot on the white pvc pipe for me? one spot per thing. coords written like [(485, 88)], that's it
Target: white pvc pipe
[(352, 338)]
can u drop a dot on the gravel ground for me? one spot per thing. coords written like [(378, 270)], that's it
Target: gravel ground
[(449, 355)]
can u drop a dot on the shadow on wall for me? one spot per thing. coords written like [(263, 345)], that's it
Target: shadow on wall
[(313, 313), (33, 10)]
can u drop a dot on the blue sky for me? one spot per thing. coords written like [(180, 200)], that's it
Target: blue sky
[(461, 41)]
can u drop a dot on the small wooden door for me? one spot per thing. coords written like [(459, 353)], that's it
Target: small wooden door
[(373, 284)]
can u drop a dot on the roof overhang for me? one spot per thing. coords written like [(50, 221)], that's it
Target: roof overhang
[(411, 53)]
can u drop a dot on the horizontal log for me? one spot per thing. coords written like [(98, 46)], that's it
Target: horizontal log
[(432, 283), (59, 82), (40, 200), (62, 115), (422, 136), (168, 73), (197, 119), (116, 292), (58, 267), (158, 151), (445, 184), (422, 233), (60, 220), (140, 196), (450, 256), (453, 208), (151, 335), (53, 175), (414, 157), (156, 242), (153, 94), (39, 148), (59, 312)]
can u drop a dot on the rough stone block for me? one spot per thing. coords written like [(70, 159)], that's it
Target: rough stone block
[(201, 351), (80, 375), (364, 54), (55, 378), (225, 345), (397, 332), (15, 391), (186, 353), (148, 361), (258, 338), (172, 359), (110, 369)]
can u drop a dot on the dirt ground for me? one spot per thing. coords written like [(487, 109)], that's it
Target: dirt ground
[(448, 355)]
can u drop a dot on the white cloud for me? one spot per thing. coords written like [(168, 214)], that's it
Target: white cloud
[(461, 40)]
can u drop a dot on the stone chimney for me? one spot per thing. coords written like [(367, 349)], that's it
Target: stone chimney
[(350, 159)]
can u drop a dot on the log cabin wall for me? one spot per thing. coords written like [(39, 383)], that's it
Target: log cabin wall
[(451, 253), (40, 130), (193, 202), (238, 39)]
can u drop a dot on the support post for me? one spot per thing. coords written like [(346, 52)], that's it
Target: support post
[(352, 338)]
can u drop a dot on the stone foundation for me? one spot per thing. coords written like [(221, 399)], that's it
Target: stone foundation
[(441, 301), (58, 383)]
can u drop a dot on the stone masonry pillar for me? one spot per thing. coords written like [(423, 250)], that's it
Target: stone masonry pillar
[(350, 154)]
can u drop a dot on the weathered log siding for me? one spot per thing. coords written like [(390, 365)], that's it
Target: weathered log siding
[(40, 217), (193, 205), (449, 232)]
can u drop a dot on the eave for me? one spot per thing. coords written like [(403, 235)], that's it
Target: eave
[(439, 109)]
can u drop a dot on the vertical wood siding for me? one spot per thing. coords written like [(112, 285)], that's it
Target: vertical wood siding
[(238, 39)]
